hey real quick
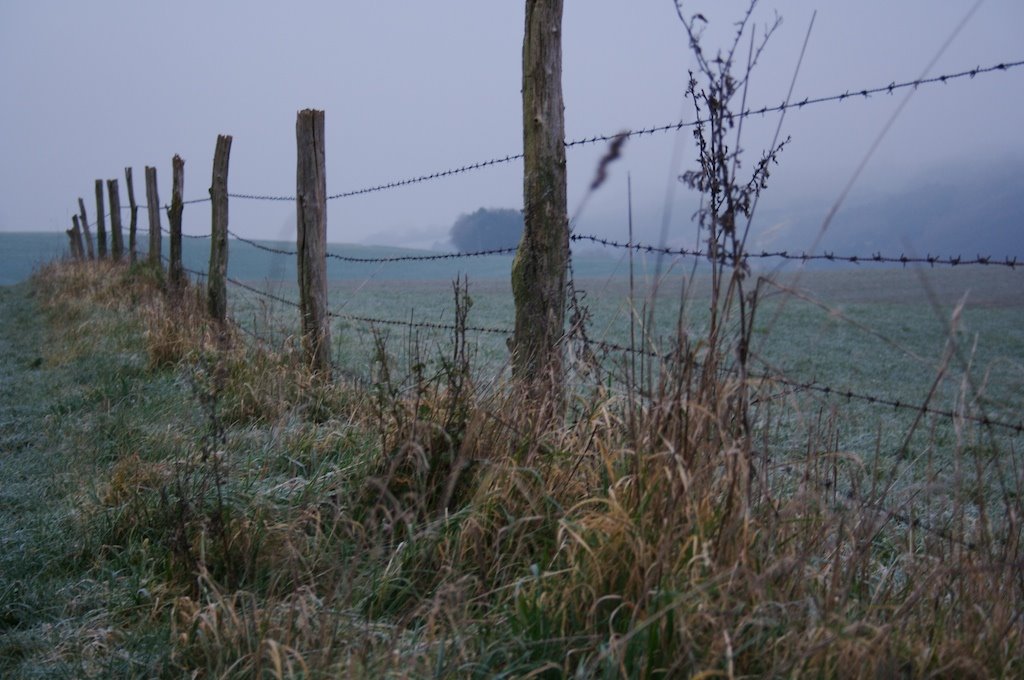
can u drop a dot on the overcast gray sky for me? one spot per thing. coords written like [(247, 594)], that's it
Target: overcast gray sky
[(414, 87)]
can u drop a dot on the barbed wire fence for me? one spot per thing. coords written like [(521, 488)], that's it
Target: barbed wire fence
[(651, 130), (885, 512), (828, 391)]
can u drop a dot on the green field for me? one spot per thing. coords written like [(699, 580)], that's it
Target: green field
[(879, 332)]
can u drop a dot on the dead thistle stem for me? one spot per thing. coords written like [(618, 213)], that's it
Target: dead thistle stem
[(726, 202)]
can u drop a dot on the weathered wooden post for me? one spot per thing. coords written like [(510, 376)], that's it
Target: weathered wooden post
[(539, 267), (153, 206), (85, 227), (75, 235), (216, 279), (116, 237), (311, 206), (71, 242), (101, 227), (133, 222), (175, 270)]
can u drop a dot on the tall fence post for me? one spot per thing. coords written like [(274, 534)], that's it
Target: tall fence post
[(84, 227), (153, 206), (75, 236), (116, 237), (216, 279), (175, 270), (133, 221), (311, 206), (101, 227), (540, 264)]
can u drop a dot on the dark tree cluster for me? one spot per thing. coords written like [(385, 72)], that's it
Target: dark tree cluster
[(487, 229)]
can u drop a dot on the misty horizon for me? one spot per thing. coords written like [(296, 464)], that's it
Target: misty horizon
[(402, 100)]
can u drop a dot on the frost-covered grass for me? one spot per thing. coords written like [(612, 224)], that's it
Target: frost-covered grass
[(182, 502)]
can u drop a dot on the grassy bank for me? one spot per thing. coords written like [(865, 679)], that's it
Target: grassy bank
[(178, 501)]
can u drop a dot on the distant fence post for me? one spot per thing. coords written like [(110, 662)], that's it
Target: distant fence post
[(116, 237), (311, 207), (133, 222), (101, 227), (75, 236), (85, 227), (540, 265), (71, 242), (153, 206), (175, 271), (216, 278)]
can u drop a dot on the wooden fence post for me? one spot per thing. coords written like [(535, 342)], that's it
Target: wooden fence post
[(71, 242), (540, 264), (75, 235), (175, 270), (153, 206), (134, 219), (116, 237), (216, 279), (101, 227), (84, 226), (311, 206)]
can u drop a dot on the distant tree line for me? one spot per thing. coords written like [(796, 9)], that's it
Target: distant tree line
[(487, 229)]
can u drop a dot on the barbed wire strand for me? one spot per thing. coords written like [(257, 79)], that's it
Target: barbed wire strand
[(257, 291), (896, 404), (167, 232), (379, 260), (424, 258), (372, 320), (1010, 261), (891, 88), (420, 324), (164, 207)]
